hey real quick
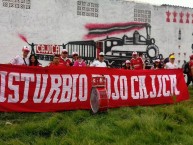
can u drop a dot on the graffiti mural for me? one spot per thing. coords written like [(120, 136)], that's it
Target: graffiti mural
[(101, 30), (89, 49), (179, 17)]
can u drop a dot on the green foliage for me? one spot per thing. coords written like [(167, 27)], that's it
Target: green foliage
[(151, 125)]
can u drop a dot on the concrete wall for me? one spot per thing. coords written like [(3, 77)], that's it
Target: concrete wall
[(58, 22)]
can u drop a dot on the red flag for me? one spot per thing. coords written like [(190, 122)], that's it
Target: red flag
[(22, 37)]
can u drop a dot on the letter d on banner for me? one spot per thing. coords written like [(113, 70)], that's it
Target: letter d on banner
[(3, 84)]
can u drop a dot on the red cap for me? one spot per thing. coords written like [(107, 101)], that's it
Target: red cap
[(25, 49), (64, 51), (127, 61), (74, 53), (157, 60), (101, 54), (134, 53), (56, 55)]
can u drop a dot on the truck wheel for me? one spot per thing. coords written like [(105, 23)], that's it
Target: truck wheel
[(152, 51)]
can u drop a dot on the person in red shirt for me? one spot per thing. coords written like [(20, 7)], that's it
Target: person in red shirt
[(136, 62), (56, 61), (64, 58)]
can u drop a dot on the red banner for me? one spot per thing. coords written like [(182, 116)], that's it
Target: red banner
[(36, 89)]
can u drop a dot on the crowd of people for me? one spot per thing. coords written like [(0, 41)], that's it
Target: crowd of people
[(135, 63)]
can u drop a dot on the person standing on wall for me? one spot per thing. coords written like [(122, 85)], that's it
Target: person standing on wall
[(21, 60), (100, 62), (137, 62), (64, 58), (171, 64)]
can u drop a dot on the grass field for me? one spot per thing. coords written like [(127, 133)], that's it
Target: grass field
[(155, 125)]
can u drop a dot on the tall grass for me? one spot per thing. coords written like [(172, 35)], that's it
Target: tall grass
[(152, 125)]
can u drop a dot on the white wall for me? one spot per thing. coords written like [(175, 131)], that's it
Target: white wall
[(57, 22)]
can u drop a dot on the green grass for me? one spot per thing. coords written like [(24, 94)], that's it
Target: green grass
[(152, 125)]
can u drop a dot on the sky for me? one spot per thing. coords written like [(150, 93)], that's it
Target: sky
[(184, 3)]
